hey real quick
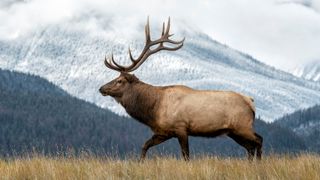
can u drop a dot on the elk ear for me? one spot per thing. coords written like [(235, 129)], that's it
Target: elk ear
[(131, 78)]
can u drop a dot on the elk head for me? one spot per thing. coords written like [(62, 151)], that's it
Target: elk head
[(121, 84)]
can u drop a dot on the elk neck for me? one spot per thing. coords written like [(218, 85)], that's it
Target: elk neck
[(141, 102)]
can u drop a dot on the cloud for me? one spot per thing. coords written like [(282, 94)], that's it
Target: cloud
[(283, 33), (23, 16)]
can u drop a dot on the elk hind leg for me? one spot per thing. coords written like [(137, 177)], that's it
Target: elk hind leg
[(246, 141), (259, 141)]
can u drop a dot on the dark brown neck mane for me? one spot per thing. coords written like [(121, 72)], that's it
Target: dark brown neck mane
[(141, 102)]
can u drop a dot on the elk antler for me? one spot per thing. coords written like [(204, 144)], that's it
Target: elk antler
[(146, 52)]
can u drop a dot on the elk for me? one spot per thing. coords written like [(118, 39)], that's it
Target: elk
[(178, 111)]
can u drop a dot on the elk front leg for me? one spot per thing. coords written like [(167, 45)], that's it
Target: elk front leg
[(154, 140), (184, 144)]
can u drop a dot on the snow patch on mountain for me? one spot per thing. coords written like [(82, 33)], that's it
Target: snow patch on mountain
[(310, 71), (306, 129)]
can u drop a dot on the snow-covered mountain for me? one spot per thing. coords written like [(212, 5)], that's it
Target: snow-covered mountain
[(71, 55), (310, 71)]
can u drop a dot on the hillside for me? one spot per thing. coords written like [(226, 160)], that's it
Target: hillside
[(310, 71), (70, 54), (37, 115), (306, 124)]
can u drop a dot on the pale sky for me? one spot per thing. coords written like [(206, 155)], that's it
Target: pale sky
[(281, 33)]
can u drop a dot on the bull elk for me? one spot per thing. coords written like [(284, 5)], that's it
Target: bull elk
[(179, 111)]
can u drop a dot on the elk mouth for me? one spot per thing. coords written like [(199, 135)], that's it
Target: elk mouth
[(103, 92)]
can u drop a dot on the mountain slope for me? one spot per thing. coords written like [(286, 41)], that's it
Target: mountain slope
[(71, 55), (310, 71), (41, 117), (20, 82), (306, 124)]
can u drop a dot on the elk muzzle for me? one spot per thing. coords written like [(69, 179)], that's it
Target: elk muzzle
[(104, 91)]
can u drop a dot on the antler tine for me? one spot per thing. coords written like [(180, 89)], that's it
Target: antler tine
[(175, 42), (168, 27), (163, 27), (109, 63), (131, 57), (162, 47), (147, 32), (115, 63), (167, 40), (172, 48)]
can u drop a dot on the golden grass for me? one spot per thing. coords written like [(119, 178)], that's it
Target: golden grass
[(305, 166)]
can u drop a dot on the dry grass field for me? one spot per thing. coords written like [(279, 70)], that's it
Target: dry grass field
[(89, 167)]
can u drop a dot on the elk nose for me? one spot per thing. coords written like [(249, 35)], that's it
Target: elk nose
[(101, 90)]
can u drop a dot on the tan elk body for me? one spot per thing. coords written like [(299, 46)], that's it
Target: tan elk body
[(179, 111)]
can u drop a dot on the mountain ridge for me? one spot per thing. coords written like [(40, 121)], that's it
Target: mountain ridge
[(310, 71)]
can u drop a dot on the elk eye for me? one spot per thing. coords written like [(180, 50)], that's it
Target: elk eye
[(119, 81)]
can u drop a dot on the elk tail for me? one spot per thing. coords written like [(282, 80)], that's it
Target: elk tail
[(250, 101)]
